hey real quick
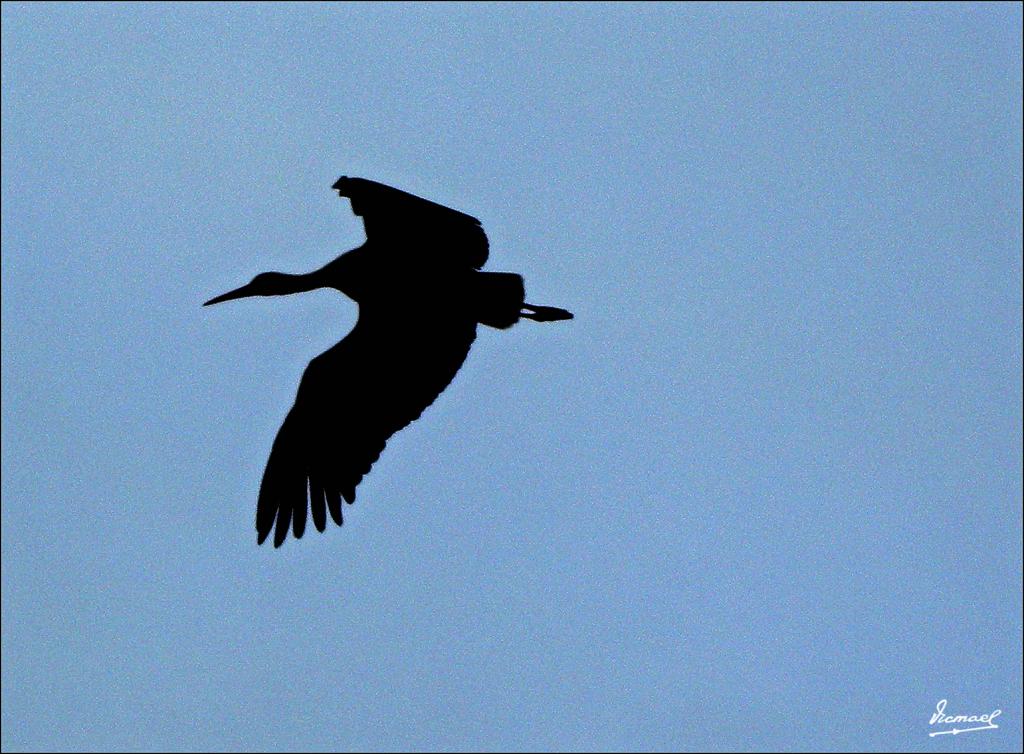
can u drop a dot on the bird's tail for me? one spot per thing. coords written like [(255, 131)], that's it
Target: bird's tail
[(498, 296), (501, 301)]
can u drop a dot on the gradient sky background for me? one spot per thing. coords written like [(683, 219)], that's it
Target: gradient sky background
[(764, 492)]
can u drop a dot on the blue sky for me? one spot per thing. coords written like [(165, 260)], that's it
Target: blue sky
[(764, 492)]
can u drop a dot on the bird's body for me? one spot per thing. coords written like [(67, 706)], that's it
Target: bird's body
[(421, 296)]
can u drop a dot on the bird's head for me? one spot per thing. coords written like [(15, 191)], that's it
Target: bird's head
[(264, 284)]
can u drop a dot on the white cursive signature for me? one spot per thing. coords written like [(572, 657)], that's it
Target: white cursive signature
[(941, 718)]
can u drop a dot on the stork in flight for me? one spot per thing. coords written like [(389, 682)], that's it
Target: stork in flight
[(421, 294)]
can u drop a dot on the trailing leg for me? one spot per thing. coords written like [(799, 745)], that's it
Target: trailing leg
[(544, 313)]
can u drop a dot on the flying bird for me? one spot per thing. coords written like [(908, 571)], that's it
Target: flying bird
[(421, 295)]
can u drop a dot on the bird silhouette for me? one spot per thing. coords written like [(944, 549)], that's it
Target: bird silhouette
[(421, 295)]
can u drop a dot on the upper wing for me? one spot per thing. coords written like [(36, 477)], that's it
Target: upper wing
[(352, 398), (395, 216)]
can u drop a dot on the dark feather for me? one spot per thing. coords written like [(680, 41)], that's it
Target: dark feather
[(316, 505), (334, 503)]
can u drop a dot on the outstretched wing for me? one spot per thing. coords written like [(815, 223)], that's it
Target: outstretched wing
[(396, 217), (352, 398)]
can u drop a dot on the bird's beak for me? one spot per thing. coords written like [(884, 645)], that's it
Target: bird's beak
[(245, 290)]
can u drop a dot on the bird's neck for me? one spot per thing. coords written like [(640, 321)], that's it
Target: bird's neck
[(287, 283)]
